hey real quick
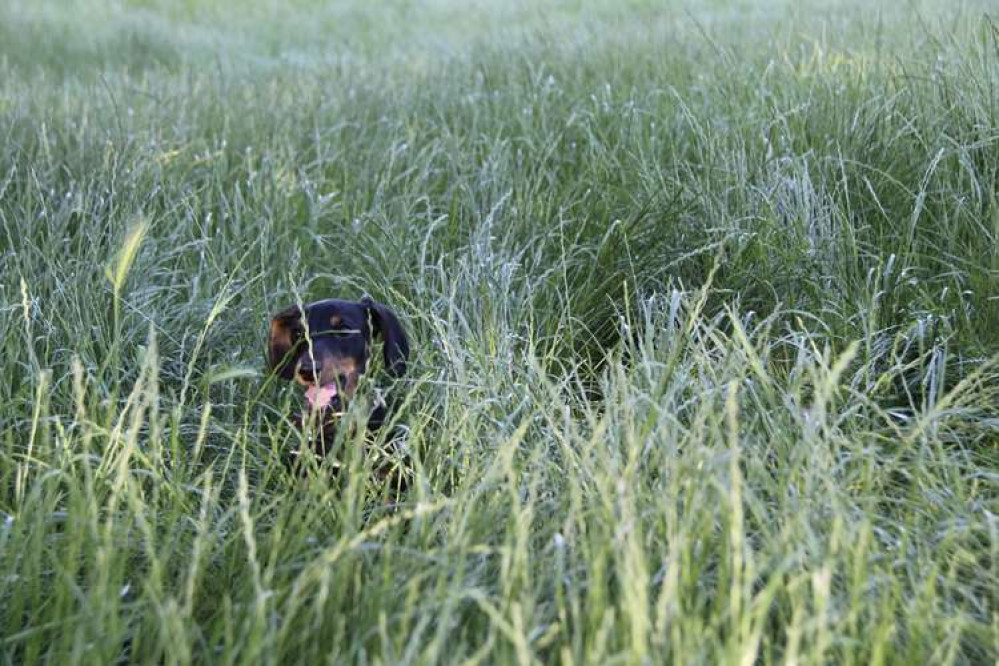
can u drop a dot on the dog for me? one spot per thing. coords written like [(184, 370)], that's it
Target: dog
[(325, 346)]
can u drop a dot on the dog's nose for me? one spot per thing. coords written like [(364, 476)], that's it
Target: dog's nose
[(308, 370)]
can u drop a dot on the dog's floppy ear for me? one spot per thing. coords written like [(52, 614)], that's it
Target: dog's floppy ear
[(396, 345), (279, 359)]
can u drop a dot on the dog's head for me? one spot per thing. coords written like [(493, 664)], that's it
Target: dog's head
[(325, 347)]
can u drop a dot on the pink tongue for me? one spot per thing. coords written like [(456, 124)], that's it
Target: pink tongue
[(320, 396)]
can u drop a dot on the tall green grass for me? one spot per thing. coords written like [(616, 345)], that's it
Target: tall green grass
[(702, 301)]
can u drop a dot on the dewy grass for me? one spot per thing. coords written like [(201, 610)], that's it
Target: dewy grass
[(702, 300)]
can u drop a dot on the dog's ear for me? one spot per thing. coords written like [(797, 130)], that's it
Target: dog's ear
[(279, 347), (386, 324)]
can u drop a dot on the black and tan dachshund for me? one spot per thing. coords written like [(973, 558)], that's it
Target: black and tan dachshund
[(325, 347)]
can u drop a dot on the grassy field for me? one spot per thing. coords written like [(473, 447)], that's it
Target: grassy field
[(702, 299)]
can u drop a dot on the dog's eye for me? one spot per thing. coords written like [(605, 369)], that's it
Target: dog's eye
[(296, 336)]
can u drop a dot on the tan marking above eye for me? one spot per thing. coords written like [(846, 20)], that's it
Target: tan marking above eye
[(335, 320)]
